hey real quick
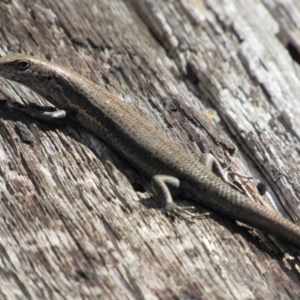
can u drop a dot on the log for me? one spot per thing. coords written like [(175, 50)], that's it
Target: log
[(79, 222)]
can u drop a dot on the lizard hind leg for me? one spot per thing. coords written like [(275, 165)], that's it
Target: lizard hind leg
[(213, 165), (160, 187)]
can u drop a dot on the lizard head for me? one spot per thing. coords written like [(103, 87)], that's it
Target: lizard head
[(42, 76), (25, 69)]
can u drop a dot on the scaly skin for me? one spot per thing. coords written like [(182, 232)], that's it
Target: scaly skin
[(144, 146)]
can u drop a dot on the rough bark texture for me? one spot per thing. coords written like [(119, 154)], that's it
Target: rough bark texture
[(78, 222)]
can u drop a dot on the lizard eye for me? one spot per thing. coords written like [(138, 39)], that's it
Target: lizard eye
[(23, 65)]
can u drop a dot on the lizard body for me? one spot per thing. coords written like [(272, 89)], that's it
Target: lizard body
[(142, 144)]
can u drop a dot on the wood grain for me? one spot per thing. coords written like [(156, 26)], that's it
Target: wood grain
[(78, 222)]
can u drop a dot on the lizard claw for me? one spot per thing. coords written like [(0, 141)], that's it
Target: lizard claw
[(173, 210)]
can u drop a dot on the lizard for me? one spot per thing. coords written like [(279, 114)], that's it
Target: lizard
[(143, 145)]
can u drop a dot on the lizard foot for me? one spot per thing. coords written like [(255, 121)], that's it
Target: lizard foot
[(173, 210)]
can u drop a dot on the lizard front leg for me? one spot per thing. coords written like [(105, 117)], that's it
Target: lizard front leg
[(47, 114)]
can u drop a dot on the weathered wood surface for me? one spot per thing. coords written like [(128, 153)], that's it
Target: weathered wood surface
[(78, 222)]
